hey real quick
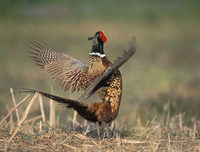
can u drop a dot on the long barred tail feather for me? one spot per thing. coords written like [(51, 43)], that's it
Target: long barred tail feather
[(69, 103)]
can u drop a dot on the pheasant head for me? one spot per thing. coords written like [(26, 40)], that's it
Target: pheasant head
[(97, 46)]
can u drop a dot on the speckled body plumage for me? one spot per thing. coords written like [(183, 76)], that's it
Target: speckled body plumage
[(110, 92)]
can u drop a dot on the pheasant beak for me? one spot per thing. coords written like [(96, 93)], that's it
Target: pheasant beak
[(90, 38)]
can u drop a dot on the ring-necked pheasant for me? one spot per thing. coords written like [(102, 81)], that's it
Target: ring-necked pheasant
[(100, 77)]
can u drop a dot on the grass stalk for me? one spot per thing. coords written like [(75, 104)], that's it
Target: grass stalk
[(52, 111), (10, 121), (25, 114), (42, 108), (10, 112), (74, 119), (32, 119), (14, 102)]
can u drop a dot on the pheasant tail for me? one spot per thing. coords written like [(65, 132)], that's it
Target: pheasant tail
[(69, 103)]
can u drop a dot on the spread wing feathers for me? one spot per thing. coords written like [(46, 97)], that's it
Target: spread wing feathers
[(69, 103), (68, 72), (92, 88)]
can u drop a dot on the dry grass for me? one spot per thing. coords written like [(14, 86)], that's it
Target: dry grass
[(150, 138), (35, 134)]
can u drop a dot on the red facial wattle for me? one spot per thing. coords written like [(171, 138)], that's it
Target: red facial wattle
[(102, 37)]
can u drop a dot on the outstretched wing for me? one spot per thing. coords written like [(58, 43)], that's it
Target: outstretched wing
[(68, 72), (102, 78)]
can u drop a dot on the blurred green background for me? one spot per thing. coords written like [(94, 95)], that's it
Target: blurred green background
[(164, 74)]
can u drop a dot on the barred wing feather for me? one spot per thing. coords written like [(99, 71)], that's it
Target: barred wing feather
[(68, 72)]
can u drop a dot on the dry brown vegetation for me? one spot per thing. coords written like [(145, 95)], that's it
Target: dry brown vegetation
[(36, 134)]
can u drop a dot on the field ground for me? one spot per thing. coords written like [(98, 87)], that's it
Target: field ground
[(36, 134), (153, 137), (161, 82)]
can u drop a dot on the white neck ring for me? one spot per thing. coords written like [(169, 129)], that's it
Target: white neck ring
[(98, 54)]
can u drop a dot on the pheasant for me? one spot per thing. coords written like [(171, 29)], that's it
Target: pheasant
[(100, 78)]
